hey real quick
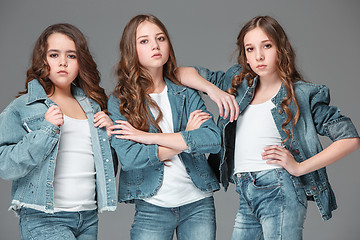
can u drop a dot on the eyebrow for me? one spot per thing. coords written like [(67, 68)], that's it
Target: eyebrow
[(264, 41), (56, 50), (160, 33)]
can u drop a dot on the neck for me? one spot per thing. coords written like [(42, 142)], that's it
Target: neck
[(61, 93), (269, 81), (158, 81)]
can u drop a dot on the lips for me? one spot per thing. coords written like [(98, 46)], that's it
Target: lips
[(62, 72), (156, 55), (261, 66)]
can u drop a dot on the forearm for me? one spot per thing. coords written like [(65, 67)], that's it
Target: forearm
[(191, 78), (168, 140), (167, 153), (334, 152)]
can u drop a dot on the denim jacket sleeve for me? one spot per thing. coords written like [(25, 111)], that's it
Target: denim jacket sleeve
[(221, 79), (22, 149), (328, 120), (205, 139), (132, 155)]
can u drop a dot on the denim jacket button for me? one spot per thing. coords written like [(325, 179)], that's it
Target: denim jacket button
[(280, 111), (56, 131), (313, 188), (296, 151)]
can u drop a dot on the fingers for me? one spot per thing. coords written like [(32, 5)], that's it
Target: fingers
[(220, 106), (121, 128), (236, 106), (232, 107), (196, 118), (101, 119), (54, 115), (274, 152), (193, 114)]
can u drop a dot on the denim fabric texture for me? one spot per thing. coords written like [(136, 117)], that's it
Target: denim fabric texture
[(29, 146), (272, 206), (38, 225), (191, 221), (141, 173), (316, 117)]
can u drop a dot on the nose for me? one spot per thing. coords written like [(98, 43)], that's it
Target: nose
[(259, 55), (155, 45), (63, 62)]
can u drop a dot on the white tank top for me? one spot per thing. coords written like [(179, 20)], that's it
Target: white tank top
[(255, 130), (74, 182), (177, 188)]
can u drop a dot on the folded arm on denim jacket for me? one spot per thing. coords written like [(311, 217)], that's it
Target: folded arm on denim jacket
[(214, 85), (134, 155), (21, 150), (206, 138)]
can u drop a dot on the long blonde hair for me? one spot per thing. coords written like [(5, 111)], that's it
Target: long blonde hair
[(285, 64), (134, 81)]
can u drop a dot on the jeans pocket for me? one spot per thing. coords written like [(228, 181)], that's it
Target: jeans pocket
[(266, 179), (299, 189)]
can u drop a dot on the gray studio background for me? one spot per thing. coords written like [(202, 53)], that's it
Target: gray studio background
[(324, 33)]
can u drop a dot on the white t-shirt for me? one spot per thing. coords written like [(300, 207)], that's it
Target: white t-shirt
[(74, 182), (255, 130), (177, 188)]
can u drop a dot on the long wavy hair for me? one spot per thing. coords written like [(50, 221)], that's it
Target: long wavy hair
[(88, 78), (285, 65), (134, 81)]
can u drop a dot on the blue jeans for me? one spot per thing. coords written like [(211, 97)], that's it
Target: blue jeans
[(191, 221), (273, 205), (60, 225)]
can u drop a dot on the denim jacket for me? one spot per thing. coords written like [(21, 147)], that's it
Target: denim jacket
[(316, 117), (29, 146), (141, 173)]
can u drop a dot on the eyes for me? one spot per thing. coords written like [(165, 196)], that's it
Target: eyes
[(159, 38), (265, 46), (56, 55)]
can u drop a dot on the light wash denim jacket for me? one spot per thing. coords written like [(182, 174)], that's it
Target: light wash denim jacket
[(29, 146), (316, 117), (141, 173)]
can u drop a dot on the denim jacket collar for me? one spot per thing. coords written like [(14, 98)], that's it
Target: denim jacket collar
[(277, 99), (36, 92), (172, 87)]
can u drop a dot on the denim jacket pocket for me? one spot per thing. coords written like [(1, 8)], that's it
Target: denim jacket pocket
[(33, 123)]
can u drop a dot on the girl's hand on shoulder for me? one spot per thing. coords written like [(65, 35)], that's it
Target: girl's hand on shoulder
[(54, 115), (283, 157), (226, 103), (124, 130), (101, 119), (196, 118)]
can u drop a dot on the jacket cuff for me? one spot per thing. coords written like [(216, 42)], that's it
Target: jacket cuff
[(50, 129), (340, 129)]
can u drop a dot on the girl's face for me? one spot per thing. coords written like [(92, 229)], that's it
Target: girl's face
[(261, 53), (62, 59), (152, 46)]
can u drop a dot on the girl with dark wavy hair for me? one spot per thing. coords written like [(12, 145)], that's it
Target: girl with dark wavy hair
[(54, 141), (161, 134), (272, 151)]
